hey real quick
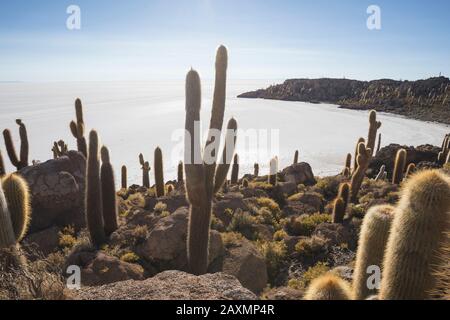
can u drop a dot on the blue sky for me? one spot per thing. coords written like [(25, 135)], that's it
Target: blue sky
[(267, 39)]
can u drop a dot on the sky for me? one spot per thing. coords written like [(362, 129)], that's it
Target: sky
[(138, 40)]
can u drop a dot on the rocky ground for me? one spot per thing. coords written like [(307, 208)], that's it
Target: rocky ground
[(427, 100), (266, 241)]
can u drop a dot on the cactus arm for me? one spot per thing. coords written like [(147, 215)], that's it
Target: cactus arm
[(363, 160), (10, 149), (399, 167), (227, 155), (7, 237), (2, 166), (24, 145)]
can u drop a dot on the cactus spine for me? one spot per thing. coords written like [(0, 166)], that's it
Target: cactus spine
[(399, 168), (273, 171), (124, 177), (21, 162), (363, 160), (418, 231), (372, 244), (235, 170), (108, 193), (180, 172), (77, 128), (328, 287), (145, 171), (296, 157), (94, 203), (17, 197), (202, 178), (159, 173)]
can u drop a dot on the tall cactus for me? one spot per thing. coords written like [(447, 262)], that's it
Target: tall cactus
[(348, 162), (145, 166), (256, 170), (355, 158), (77, 128), (418, 231), (273, 171), (159, 173), (235, 170), (202, 178), (7, 235), (94, 203), (17, 196), (341, 202), (108, 193), (328, 287), (124, 178), (363, 160), (180, 172), (21, 162), (379, 143), (410, 170), (2, 166), (374, 125), (399, 167), (372, 244), (296, 157)]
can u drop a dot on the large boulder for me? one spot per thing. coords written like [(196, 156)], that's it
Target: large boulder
[(386, 156), (171, 285), (57, 192), (165, 245), (300, 173), (98, 268), (246, 263)]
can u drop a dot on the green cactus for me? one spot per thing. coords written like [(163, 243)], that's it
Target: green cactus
[(202, 178), (77, 128), (159, 173), (94, 203), (256, 170), (124, 177), (328, 287), (17, 196), (108, 193), (372, 244), (363, 160), (24, 147), (355, 158), (399, 168), (145, 166), (296, 157), (180, 172), (273, 171), (417, 234), (235, 170)]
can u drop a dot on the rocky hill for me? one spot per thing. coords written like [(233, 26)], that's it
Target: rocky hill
[(427, 100)]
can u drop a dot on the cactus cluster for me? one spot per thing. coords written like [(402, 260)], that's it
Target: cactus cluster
[(145, 166), (59, 149), (101, 207), (159, 173), (21, 161), (204, 179), (77, 128)]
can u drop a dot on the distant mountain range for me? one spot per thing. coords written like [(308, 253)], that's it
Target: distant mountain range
[(427, 100)]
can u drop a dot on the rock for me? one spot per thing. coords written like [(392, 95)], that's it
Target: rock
[(246, 263), (45, 241), (284, 293), (57, 192), (300, 173), (165, 246), (386, 156), (173, 202), (231, 201), (334, 232), (288, 188), (98, 268), (171, 285)]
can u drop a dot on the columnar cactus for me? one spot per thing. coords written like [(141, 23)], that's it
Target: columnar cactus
[(7, 235), (363, 160), (180, 172), (296, 157), (59, 149), (108, 193), (341, 202), (124, 177), (379, 143), (77, 128), (145, 166), (348, 162), (374, 125), (355, 158), (399, 168), (273, 171), (418, 231), (235, 170), (372, 244), (410, 170), (256, 170), (381, 174), (159, 173), (17, 196), (202, 179), (21, 162), (328, 287), (2, 166), (94, 203)]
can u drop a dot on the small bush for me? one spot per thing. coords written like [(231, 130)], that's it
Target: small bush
[(270, 204), (312, 273), (329, 186), (231, 239), (160, 207), (264, 185), (306, 224), (280, 235), (140, 233), (130, 257), (310, 247), (136, 200), (243, 222), (275, 255)]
